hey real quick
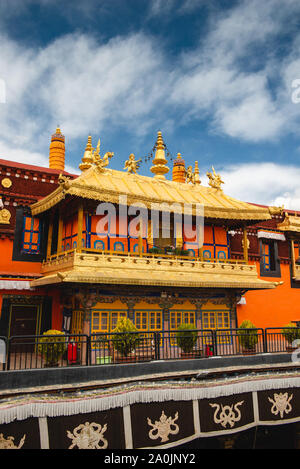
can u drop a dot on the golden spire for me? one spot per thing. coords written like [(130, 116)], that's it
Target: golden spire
[(87, 159), (159, 167), (57, 151), (196, 174), (178, 174)]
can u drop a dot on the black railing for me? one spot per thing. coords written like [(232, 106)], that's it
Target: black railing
[(30, 352), (230, 342), (35, 352)]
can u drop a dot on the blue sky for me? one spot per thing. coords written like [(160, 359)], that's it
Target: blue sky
[(215, 76)]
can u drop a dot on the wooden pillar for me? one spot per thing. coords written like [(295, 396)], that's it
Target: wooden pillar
[(60, 233), (79, 226), (50, 234), (293, 258), (245, 245)]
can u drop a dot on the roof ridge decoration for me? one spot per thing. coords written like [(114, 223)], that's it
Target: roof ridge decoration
[(290, 223), (160, 167), (92, 157), (98, 183), (132, 165), (215, 180)]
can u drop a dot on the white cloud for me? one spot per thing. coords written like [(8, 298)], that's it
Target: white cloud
[(227, 78), (82, 85), (262, 183)]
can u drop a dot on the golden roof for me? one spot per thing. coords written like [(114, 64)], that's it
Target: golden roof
[(107, 185), (290, 223)]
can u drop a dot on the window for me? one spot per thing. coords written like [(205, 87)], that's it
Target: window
[(31, 236), (105, 320), (180, 317), (215, 320), (269, 261), (29, 239), (148, 320)]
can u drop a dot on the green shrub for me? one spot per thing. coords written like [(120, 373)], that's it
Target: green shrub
[(186, 337), (125, 341), (247, 337), (291, 332), (52, 348), (155, 250)]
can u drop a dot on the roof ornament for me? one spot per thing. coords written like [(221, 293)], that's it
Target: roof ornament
[(64, 181), (215, 180), (192, 176), (189, 175), (101, 163), (196, 174), (132, 165), (87, 159), (277, 210), (92, 157), (159, 167)]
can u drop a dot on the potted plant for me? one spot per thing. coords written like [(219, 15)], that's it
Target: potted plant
[(169, 250), (186, 338), (247, 337), (290, 332), (125, 340), (155, 250), (52, 346)]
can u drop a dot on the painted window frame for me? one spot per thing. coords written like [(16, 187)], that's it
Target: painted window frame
[(18, 252), (274, 269)]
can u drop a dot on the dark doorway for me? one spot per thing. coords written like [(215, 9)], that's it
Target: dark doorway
[(24, 321)]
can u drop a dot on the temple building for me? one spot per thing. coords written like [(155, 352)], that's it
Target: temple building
[(79, 252)]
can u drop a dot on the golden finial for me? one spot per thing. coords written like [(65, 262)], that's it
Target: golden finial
[(87, 159), (159, 167), (196, 174)]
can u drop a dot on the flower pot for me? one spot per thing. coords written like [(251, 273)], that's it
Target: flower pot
[(249, 351), (187, 355), (50, 365), (122, 359)]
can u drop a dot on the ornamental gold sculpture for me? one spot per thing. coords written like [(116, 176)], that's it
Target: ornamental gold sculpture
[(132, 165), (5, 216), (189, 175), (92, 157), (215, 180)]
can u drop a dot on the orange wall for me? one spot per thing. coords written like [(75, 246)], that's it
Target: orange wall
[(272, 308), (7, 265)]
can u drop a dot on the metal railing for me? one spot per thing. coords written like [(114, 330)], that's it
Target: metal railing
[(31, 352), (36, 352)]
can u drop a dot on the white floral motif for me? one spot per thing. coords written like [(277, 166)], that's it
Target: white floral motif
[(8, 443), (228, 415), (281, 404), (163, 427), (88, 436)]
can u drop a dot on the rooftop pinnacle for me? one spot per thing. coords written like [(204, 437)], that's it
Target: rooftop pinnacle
[(159, 167)]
